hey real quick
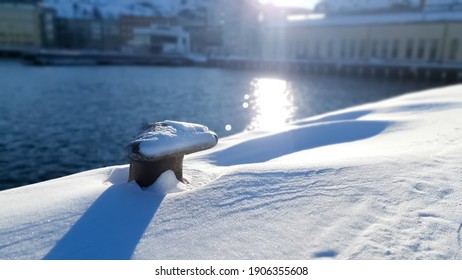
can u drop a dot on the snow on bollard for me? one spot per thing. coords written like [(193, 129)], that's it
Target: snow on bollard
[(162, 146)]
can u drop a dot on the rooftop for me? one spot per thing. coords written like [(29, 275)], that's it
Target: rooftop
[(376, 18)]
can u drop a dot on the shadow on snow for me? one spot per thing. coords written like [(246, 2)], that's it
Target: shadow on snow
[(307, 137), (112, 227)]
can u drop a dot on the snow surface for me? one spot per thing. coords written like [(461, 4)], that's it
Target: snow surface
[(378, 181), (170, 137)]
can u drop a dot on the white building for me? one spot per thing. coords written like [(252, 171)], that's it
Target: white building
[(158, 39)]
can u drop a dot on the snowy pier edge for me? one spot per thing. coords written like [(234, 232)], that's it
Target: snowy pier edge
[(376, 181)]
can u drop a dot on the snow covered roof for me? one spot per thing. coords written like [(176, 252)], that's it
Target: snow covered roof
[(377, 181), (364, 5), (379, 18)]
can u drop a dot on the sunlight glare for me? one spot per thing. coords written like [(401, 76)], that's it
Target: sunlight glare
[(272, 103)]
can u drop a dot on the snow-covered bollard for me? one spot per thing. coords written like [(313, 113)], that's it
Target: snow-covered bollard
[(162, 146)]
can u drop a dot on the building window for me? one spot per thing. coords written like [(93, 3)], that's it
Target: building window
[(330, 49), (352, 49), (290, 48), (343, 48), (453, 49), (362, 49), (421, 50), (317, 49), (299, 49), (374, 49), (433, 50), (409, 49), (385, 49), (395, 49)]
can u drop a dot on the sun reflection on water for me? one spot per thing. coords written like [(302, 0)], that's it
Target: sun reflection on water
[(271, 101)]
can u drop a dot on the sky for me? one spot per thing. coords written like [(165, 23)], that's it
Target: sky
[(292, 3)]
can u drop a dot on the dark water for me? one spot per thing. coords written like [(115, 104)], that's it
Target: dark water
[(56, 121)]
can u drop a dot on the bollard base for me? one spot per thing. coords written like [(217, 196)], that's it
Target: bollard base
[(145, 173)]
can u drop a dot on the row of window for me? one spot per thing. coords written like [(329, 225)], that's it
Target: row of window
[(421, 49), (16, 36), (5, 17), (17, 43)]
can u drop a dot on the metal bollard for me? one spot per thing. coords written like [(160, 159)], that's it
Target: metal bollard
[(162, 146)]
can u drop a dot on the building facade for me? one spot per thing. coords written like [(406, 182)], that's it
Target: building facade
[(48, 27), (241, 28), (128, 23), (380, 38), (205, 34), (88, 34), (20, 24), (160, 40)]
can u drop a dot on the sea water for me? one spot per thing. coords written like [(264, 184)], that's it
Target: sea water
[(56, 121)]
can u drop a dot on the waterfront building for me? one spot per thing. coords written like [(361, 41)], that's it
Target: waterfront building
[(241, 28), (48, 20), (110, 34), (198, 20), (20, 24), (128, 23), (73, 33), (205, 39), (160, 40), (88, 34), (412, 37)]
